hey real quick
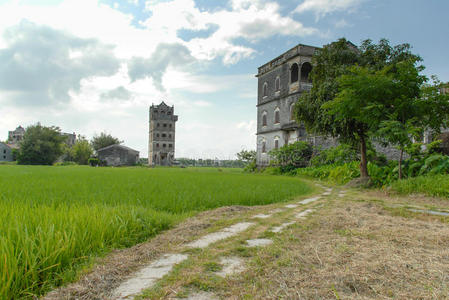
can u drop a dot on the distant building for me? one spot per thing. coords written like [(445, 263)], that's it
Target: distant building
[(71, 138), (444, 88), (161, 146), (118, 155), (5, 152), (16, 136)]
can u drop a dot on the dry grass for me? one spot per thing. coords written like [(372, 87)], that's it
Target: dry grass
[(353, 250)]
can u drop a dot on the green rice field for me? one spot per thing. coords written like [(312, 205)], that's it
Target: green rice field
[(55, 220)]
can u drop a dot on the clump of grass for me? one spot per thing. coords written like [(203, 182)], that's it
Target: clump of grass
[(436, 185), (54, 220)]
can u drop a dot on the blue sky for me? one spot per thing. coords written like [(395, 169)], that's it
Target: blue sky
[(89, 66)]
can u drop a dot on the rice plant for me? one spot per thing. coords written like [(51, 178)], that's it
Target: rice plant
[(55, 220)]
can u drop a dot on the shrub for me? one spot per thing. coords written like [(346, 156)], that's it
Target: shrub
[(339, 155), (292, 156), (93, 161)]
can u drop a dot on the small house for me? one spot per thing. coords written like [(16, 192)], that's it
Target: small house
[(5, 152), (118, 155)]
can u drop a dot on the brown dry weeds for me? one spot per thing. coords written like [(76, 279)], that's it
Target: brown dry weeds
[(353, 250), (105, 276)]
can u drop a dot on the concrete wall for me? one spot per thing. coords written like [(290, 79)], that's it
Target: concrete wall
[(5, 153)]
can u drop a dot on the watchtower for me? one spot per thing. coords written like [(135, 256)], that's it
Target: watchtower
[(161, 147)]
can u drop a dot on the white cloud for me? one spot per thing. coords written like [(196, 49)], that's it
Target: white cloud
[(322, 8)]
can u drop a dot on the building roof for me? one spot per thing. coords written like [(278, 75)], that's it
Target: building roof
[(117, 146)]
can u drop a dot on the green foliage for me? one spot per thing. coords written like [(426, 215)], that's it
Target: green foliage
[(432, 185), (104, 140), (40, 145), (93, 161), (338, 155), (292, 156), (82, 151), (248, 158), (54, 220), (353, 90)]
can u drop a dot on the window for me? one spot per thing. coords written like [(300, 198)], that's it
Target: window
[(4, 151), (165, 125), (155, 156), (276, 142), (264, 150), (157, 145), (306, 68), (169, 135), (276, 116), (265, 89), (164, 145), (169, 125), (277, 84), (294, 73), (170, 146), (168, 113), (264, 118), (164, 135), (157, 134), (157, 125), (4, 156)]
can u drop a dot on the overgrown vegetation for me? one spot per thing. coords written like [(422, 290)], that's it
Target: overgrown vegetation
[(373, 91), (54, 220)]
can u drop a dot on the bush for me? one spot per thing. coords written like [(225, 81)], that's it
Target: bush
[(292, 156), (65, 163), (335, 155), (94, 162)]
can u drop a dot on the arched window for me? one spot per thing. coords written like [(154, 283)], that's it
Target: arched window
[(276, 116), (264, 146), (292, 112), (277, 84), (305, 72), (264, 118), (294, 70), (265, 89), (276, 142)]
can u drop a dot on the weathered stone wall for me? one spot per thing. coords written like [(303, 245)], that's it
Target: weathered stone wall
[(117, 156)]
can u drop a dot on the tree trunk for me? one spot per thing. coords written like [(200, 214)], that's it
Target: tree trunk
[(363, 159), (400, 164)]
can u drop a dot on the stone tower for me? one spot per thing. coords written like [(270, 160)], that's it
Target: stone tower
[(161, 147)]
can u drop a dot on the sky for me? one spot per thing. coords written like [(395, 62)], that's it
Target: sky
[(91, 66)]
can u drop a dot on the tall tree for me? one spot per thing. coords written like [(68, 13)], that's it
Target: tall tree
[(40, 145), (347, 83), (81, 151), (104, 140)]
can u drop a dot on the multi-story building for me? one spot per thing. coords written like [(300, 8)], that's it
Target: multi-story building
[(161, 146), (280, 83), (16, 136)]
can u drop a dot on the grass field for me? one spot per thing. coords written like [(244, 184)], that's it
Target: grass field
[(431, 185), (54, 220)]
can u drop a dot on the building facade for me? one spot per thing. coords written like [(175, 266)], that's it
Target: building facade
[(16, 136), (161, 145), (280, 83), (118, 155), (5, 152)]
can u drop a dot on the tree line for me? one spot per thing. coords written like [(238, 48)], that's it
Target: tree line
[(42, 145)]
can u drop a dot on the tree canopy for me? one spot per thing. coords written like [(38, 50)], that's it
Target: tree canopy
[(40, 145), (104, 140), (366, 92)]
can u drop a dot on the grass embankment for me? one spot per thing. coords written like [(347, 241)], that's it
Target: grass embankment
[(436, 185), (55, 219)]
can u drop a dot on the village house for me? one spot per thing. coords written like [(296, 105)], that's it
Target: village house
[(118, 155), (5, 152)]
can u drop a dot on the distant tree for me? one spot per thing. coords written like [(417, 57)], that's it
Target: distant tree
[(348, 98), (103, 140), (81, 151), (40, 145), (247, 156)]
